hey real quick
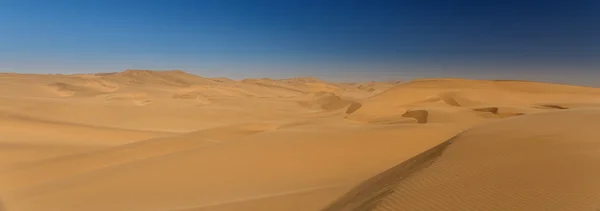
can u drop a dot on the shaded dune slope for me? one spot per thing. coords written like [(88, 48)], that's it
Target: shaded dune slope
[(546, 161), (326, 101), (419, 115), (497, 112)]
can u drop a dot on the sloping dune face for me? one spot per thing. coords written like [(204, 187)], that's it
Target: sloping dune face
[(538, 162), (325, 101), (174, 141), (460, 100)]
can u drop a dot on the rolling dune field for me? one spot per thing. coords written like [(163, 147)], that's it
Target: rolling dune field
[(142, 140)]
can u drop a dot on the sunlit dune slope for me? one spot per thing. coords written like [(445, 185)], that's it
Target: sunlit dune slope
[(543, 161), (460, 100), (314, 162), (31, 174)]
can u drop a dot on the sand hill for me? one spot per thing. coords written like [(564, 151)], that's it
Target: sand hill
[(546, 161), (174, 141)]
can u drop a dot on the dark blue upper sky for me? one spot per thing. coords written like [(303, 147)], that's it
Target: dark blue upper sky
[(252, 38)]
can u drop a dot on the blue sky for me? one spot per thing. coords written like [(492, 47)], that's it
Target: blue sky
[(544, 40)]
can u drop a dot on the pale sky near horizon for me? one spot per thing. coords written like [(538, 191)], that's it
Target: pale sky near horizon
[(554, 41)]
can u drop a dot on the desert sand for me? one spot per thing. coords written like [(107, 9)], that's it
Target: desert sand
[(142, 140)]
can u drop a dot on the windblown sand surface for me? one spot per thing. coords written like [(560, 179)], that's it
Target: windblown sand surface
[(172, 141)]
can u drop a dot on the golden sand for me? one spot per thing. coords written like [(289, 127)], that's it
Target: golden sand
[(173, 141)]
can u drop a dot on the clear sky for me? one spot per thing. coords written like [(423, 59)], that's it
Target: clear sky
[(545, 40)]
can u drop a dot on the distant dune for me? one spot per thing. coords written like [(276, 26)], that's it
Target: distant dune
[(174, 141), (326, 101)]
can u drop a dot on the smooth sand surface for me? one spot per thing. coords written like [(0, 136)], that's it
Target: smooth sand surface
[(546, 161), (173, 141)]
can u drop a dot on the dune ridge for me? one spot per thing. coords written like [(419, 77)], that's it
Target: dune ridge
[(368, 194)]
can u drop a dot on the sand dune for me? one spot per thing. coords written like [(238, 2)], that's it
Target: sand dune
[(536, 162), (173, 78), (261, 164), (174, 141), (469, 94), (47, 170), (139, 99), (325, 101)]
